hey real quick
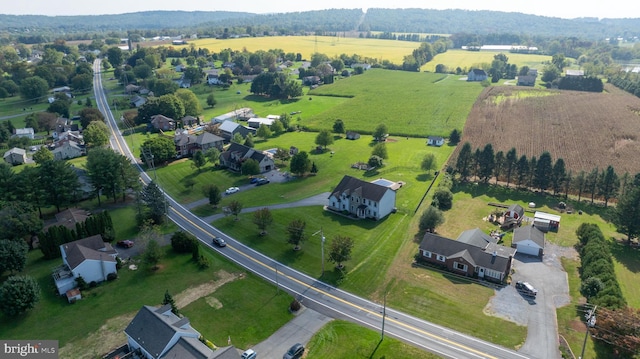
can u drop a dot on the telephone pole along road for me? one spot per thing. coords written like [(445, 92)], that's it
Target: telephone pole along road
[(310, 291)]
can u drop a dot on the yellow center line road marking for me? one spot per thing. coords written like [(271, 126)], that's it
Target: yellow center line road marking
[(320, 291)]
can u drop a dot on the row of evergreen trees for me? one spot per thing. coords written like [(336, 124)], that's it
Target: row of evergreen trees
[(537, 172), (54, 236)]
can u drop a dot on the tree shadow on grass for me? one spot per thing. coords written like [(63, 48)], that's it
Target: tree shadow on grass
[(626, 255)]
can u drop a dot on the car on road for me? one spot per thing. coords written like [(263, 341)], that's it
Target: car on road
[(219, 242), (525, 288), (125, 244), (295, 352), (232, 190), (249, 354), (262, 181)]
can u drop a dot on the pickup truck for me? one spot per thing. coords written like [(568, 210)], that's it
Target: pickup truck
[(525, 288)]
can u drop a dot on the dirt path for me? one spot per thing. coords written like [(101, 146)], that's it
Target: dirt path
[(111, 334)]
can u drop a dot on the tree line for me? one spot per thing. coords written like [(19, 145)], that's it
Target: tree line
[(51, 239)]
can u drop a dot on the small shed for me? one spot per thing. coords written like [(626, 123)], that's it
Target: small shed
[(352, 135), (73, 295), (546, 221)]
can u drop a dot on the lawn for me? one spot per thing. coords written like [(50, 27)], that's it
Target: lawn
[(403, 165), (470, 59), (435, 105), (340, 339)]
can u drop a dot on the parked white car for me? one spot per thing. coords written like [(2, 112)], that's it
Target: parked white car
[(232, 190)]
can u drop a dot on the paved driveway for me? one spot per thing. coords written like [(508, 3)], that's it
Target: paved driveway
[(539, 314)]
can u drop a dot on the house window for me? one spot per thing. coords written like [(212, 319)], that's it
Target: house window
[(426, 254), (441, 258), (375, 204), (460, 266), (344, 206)]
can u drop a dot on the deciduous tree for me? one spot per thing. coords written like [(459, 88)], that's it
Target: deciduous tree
[(430, 219), (338, 126), (96, 134), (295, 229), (263, 219), (300, 163), (213, 193), (263, 131), (18, 294), (34, 88), (380, 132), (235, 207), (198, 160), (428, 163), (380, 150), (340, 250), (324, 138)]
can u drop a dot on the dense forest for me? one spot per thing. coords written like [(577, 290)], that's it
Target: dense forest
[(525, 28)]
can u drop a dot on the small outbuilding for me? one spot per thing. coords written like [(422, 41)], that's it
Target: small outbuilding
[(528, 240), (435, 141), (546, 221)]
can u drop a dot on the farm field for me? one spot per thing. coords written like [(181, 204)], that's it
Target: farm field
[(391, 50), (585, 129), (454, 58), (408, 103)]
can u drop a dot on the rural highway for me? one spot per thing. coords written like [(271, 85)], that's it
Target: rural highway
[(310, 291)]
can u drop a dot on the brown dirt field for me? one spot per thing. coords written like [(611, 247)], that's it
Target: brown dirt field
[(111, 334), (585, 129)]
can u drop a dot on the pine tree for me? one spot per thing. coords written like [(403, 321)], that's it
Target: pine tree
[(168, 299)]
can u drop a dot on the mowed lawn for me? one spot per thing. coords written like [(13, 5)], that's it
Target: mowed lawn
[(403, 164), (408, 103), (464, 59)]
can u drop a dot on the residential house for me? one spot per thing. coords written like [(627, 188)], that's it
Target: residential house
[(311, 80), (24, 132), (352, 135), (137, 101), (15, 156), (473, 254), (69, 217), (158, 333), (228, 129), (163, 123), (190, 121), (131, 88), (242, 114), (64, 124), (546, 221), (185, 83), (257, 121), (236, 154), (435, 141), (62, 89), (68, 150), (513, 215), (68, 136), (180, 68), (364, 66), (362, 199), (187, 144), (572, 72), (90, 257), (526, 80), (528, 240), (477, 75)]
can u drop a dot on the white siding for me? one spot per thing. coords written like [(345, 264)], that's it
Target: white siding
[(92, 270), (386, 204)]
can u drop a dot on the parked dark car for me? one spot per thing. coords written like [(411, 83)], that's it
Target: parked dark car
[(262, 181), (295, 352), (125, 244), (219, 242)]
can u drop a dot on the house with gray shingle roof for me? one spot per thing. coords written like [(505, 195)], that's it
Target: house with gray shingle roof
[(473, 254), (90, 257), (15, 156), (236, 154), (158, 333), (362, 199)]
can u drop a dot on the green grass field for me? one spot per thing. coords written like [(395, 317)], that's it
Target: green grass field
[(380, 50), (340, 339), (464, 59), (434, 105)]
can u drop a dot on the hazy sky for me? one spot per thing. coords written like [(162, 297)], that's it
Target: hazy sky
[(555, 8)]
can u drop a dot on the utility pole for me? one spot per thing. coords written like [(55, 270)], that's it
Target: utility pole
[(322, 238), (590, 322), (384, 314)]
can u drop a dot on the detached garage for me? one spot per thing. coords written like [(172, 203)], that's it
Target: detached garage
[(528, 240)]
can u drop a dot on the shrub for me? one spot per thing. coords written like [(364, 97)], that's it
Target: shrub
[(443, 199), (93, 284), (203, 262), (112, 276), (295, 306), (183, 242), (81, 283)]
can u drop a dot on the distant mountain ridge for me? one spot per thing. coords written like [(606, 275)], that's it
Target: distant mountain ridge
[(334, 20)]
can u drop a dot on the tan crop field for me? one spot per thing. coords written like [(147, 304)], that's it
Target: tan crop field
[(585, 129), (331, 46)]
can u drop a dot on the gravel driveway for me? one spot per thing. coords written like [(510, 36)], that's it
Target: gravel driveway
[(539, 314)]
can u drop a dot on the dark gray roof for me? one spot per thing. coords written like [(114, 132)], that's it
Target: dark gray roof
[(528, 232), (153, 328), (476, 238), (208, 137), (364, 189), (516, 208), (229, 352), (451, 248), (243, 152), (435, 138), (88, 248)]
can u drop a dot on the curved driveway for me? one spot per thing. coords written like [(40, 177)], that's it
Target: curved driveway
[(312, 292)]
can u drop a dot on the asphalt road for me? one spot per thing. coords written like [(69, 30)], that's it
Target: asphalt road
[(314, 294)]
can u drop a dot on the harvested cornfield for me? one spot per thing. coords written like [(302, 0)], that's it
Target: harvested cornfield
[(585, 129)]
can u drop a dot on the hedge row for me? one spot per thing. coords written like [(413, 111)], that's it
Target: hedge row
[(599, 282)]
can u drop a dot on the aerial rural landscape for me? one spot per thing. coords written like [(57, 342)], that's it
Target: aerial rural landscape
[(321, 184)]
